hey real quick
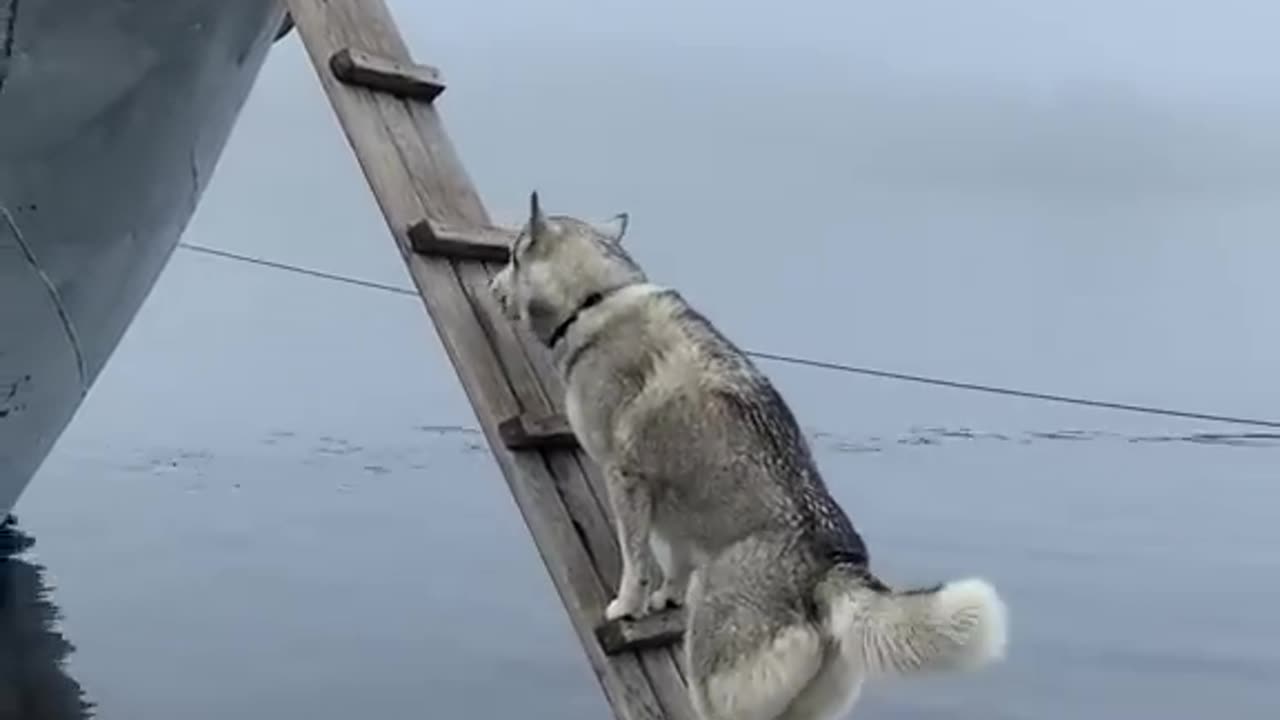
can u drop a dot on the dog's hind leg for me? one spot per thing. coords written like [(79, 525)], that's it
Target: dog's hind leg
[(761, 683), (632, 502), (676, 569), (831, 693), (750, 651)]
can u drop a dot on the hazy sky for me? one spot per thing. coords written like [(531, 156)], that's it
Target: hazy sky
[(939, 149), (1210, 49)]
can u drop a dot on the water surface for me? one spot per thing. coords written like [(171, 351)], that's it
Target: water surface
[(275, 504)]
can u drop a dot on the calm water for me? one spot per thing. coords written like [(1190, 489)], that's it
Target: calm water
[(275, 504)]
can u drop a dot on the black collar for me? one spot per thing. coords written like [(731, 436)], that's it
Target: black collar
[(590, 301)]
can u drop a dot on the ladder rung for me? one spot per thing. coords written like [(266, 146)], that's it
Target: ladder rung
[(490, 244), (357, 67), (526, 431), (656, 630)]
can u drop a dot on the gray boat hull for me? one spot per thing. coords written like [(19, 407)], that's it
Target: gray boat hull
[(113, 114)]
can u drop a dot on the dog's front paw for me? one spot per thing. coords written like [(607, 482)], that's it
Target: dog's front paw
[(625, 606)]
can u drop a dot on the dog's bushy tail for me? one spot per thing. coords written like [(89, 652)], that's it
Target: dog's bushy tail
[(959, 625)]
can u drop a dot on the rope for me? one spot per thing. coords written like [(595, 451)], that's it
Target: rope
[(299, 270), (1013, 392), (808, 362)]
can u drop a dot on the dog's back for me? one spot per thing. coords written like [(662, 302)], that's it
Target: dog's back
[(689, 411)]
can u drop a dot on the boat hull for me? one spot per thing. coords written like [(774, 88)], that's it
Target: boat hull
[(112, 117)]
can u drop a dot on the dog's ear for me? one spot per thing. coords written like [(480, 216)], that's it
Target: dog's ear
[(537, 219), (613, 228)]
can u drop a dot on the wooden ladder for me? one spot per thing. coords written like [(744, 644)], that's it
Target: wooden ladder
[(384, 102)]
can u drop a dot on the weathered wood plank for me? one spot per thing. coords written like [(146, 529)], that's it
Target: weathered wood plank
[(656, 630), (485, 244), (358, 67), (415, 175), (526, 431)]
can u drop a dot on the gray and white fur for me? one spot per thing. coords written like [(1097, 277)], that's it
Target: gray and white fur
[(703, 457)]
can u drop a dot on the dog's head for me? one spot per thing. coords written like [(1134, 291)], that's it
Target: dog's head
[(557, 263)]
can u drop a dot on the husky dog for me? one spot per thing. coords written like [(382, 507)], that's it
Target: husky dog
[(784, 618)]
